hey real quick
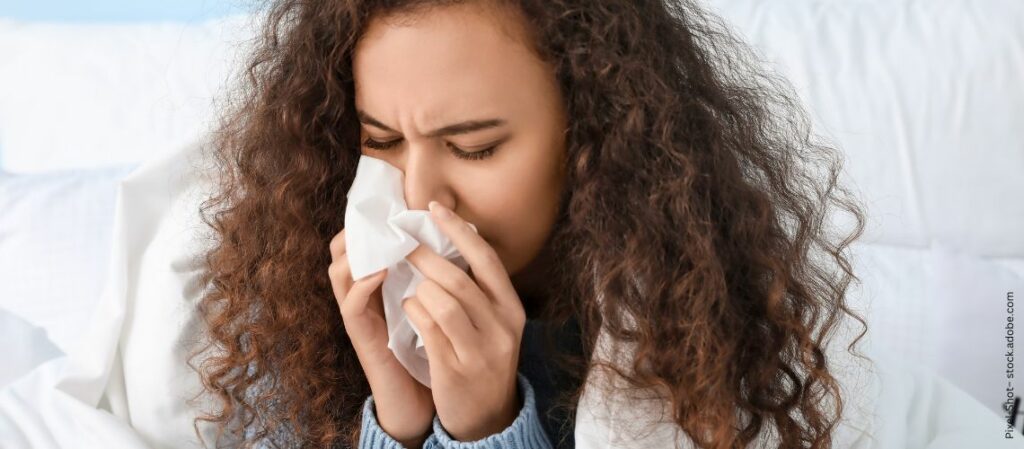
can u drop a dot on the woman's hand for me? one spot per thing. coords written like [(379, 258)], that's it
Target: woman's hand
[(404, 407), (471, 332)]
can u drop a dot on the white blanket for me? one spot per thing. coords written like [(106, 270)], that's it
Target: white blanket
[(126, 384)]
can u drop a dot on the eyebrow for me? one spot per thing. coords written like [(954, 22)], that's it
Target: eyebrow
[(450, 130)]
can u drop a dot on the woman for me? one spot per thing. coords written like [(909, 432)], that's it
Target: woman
[(629, 171)]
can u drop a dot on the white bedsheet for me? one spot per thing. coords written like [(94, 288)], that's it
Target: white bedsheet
[(126, 383)]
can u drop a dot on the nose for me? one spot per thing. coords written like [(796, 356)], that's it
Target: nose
[(425, 180)]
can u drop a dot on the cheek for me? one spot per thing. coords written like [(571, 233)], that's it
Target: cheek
[(516, 214)]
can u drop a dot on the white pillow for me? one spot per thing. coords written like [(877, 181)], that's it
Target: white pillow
[(941, 309), (55, 234), (86, 95), (23, 345), (969, 298), (925, 98)]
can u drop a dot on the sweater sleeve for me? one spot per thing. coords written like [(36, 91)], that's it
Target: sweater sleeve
[(525, 432)]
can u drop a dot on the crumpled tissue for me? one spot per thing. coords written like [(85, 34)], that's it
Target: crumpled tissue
[(380, 231)]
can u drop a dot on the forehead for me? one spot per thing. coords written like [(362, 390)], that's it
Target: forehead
[(455, 60)]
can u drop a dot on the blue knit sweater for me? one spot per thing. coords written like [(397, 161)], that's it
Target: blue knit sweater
[(525, 432)]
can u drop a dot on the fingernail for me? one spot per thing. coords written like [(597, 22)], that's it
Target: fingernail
[(439, 210)]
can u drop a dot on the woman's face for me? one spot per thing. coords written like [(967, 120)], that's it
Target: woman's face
[(440, 92)]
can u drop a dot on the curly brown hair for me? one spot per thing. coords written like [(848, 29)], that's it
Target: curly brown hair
[(696, 201)]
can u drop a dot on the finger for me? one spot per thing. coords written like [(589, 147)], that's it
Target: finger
[(439, 348), (341, 278), (449, 314), (362, 290), (456, 283), (337, 245), (488, 270)]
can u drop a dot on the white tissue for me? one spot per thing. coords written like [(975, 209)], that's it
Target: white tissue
[(380, 231)]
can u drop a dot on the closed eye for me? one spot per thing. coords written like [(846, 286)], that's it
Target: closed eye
[(458, 152)]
